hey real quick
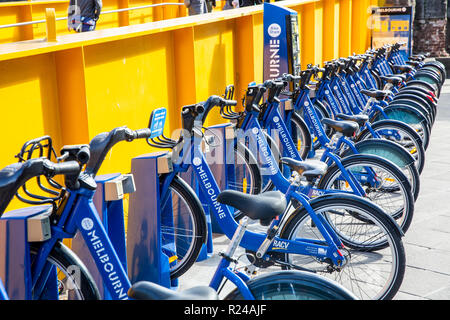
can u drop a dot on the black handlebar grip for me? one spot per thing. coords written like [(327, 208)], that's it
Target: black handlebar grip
[(65, 168), (290, 77), (143, 133), (259, 95), (84, 154), (199, 108), (268, 84)]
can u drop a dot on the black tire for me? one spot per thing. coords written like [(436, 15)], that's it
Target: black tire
[(293, 285), (439, 68), (423, 98), (394, 153), (72, 273), (419, 108), (385, 256), (420, 99), (430, 78), (409, 139), (393, 195), (409, 116), (193, 231)]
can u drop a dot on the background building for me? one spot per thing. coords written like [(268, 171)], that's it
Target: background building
[(431, 31)]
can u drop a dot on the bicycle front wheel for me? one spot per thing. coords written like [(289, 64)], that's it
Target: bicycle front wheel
[(375, 257), (183, 227), (294, 285), (72, 279)]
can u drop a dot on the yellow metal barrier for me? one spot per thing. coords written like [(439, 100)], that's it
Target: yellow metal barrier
[(88, 83), (26, 11)]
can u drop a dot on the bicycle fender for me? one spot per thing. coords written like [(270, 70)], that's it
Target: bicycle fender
[(299, 277), (375, 125), (383, 148), (414, 90), (420, 82), (413, 114)]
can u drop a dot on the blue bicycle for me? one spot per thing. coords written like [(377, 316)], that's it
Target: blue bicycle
[(57, 273), (342, 236), (3, 294), (363, 173)]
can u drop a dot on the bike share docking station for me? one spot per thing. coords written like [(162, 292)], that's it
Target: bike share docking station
[(149, 253), (17, 229), (282, 52), (108, 200), (22, 226), (139, 245)]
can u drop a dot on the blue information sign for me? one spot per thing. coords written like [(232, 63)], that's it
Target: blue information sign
[(392, 25), (157, 120), (281, 45)]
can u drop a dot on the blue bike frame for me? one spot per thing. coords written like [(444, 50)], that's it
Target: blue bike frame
[(3, 294), (191, 155), (80, 214)]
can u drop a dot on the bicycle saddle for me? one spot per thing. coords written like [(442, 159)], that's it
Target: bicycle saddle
[(307, 168), (413, 63), (361, 119), (392, 80), (402, 68), (264, 207), (347, 128), (377, 94), (145, 290)]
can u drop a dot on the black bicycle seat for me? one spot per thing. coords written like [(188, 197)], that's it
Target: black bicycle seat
[(361, 119), (308, 168), (392, 80), (413, 63), (347, 128), (145, 290), (264, 207), (402, 68), (377, 94)]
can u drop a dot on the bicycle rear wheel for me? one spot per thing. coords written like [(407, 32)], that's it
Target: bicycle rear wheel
[(293, 285), (373, 248), (389, 188)]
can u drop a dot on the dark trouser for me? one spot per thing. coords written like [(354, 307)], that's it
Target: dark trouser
[(87, 27), (209, 5)]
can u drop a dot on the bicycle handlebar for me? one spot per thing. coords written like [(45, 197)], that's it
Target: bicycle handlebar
[(103, 142), (64, 168), (16, 175)]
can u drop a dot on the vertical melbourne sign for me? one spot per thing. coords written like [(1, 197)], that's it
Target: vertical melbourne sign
[(392, 25), (278, 40)]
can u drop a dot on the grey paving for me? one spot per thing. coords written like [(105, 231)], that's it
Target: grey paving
[(427, 242)]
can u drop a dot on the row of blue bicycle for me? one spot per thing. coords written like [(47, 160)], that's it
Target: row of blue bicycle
[(322, 172)]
